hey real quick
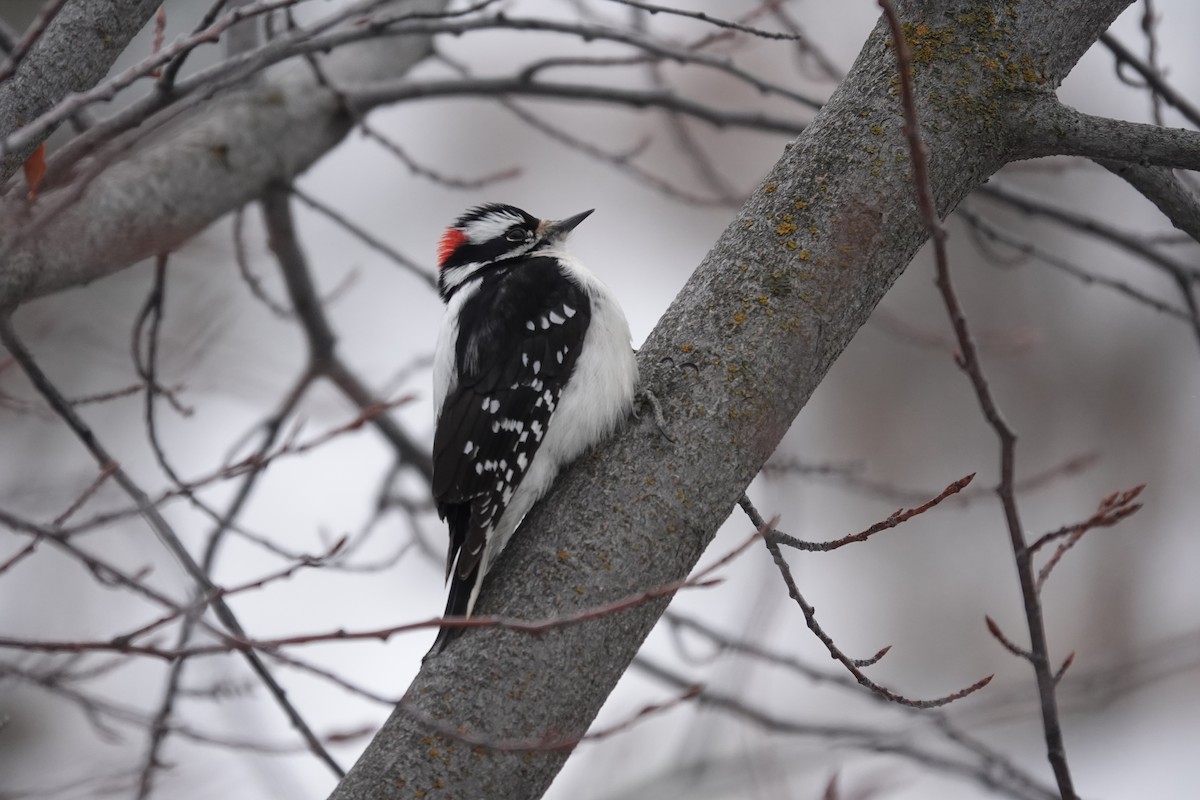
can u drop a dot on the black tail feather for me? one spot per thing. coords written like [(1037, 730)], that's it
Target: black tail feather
[(456, 606)]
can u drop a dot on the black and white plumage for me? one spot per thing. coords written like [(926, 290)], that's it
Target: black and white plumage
[(533, 366)]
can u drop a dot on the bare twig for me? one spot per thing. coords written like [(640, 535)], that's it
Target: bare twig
[(157, 523), (854, 666), (323, 360), (1153, 78), (1114, 508), (897, 518), (44, 17), (366, 237), (437, 177), (969, 361), (991, 232)]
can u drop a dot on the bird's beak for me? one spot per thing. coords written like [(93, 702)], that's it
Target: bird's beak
[(557, 228)]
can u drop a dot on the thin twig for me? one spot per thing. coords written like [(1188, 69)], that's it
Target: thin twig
[(1153, 78), (366, 236), (41, 22), (854, 666), (969, 361), (897, 518), (157, 523)]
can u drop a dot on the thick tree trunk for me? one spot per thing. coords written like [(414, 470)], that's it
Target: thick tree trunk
[(734, 359)]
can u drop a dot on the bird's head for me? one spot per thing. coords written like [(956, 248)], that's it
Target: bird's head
[(490, 233)]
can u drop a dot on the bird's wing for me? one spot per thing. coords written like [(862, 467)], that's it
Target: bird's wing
[(518, 339)]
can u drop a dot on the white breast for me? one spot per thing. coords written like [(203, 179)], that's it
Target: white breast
[(598, 397), (600, 393)]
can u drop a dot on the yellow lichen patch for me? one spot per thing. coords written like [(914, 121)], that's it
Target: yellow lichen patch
[(790, 244), (563, 555), (687, 347), (770, 188), (739, 318), (927, 44), (785, 228), (801, 204)]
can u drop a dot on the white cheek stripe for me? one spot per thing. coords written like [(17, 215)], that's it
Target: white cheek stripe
[(490, 227)]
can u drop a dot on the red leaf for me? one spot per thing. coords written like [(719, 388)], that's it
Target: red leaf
[(35, 170)]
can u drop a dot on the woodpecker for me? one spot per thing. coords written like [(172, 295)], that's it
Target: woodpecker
[(533, 366)]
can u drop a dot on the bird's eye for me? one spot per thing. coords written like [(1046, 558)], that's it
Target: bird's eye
[(516, 235)]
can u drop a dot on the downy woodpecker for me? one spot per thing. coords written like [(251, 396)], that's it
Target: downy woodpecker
[(533, 366)]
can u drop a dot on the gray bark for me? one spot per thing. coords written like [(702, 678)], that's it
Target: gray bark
[(734, 359), (76, 50)]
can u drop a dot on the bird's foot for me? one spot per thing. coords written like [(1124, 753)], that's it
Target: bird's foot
[(651, 400)]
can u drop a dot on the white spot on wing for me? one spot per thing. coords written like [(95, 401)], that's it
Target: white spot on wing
[(570, 312), (556, 319), (467, 448)]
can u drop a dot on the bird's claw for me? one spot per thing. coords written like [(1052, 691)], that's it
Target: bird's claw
[(650, 399)]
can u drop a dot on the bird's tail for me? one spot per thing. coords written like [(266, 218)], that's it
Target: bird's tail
[(456, 606)]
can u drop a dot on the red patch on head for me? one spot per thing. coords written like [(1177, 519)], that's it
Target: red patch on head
[(451, 239)]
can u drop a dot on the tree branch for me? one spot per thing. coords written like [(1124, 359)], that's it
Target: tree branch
[(222, 155), (1054, 129), (88, 35)]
